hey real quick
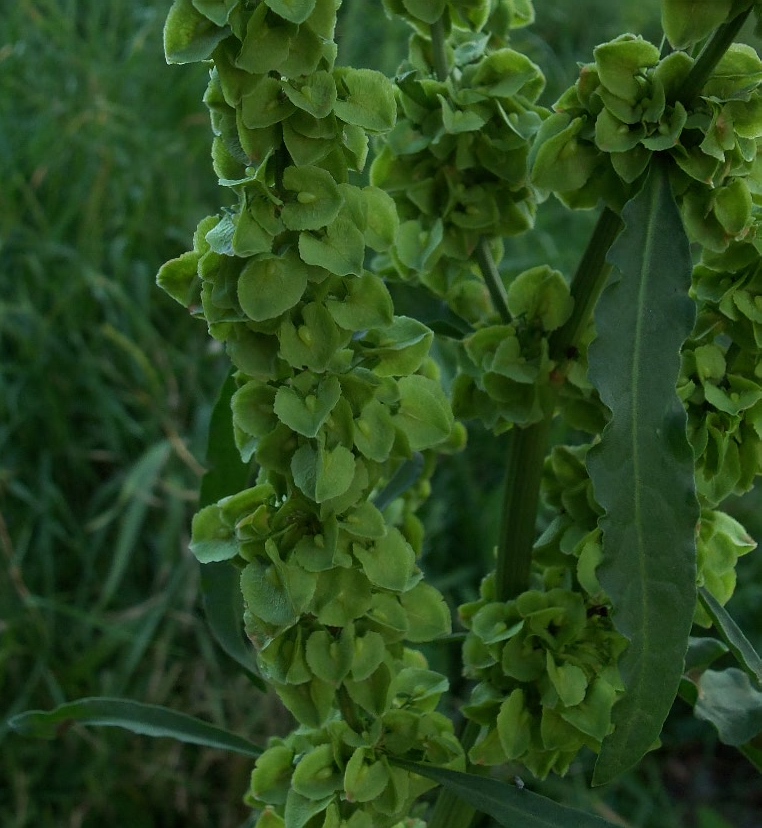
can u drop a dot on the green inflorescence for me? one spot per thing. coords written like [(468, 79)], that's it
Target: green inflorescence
[(341, 408)]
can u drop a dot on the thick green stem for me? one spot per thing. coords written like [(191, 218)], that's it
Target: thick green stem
[(710, 56), (492, 279), (439, 48), (587, 284), (526, 456)]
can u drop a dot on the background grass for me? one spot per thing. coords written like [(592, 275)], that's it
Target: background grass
[(105, 393)]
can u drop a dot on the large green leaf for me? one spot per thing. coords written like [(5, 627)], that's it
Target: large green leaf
[(220, 588), (733, 636), (727, 699), (145, 719), (507, 804), (642, 470)]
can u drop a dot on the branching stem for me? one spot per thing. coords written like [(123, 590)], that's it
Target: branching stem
[(439, 48), (492, 279), (710, 56)]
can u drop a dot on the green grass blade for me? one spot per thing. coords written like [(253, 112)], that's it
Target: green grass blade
[(642, 470), (733, 636), (144, 719), (507, 804), (220, 587)]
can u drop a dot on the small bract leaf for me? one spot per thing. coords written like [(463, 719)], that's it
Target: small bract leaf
[(266, 45), (427, 613), (297, 11), (316, 776), (366, 305), (270, 285), (383, 222), (265, 104), (424, 414), (389, 562), (323, 473), (342, 596), (369, 652), (364, 779), (313, 342), (559, 161), (399, 348), (341, 250), (218, 11), (318, 198), (365, 99), (189, 35), (306, 414), (276, 593), (179, 278), (315, 95), (541, 294), (374, 431), (330, 658), (686, 22), (739, 70), (620, 61), (429, 11), (212, 538)]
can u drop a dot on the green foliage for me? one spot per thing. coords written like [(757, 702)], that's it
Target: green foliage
[(642, 470), (324, 440)]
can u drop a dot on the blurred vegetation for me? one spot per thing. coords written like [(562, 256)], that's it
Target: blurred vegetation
[(105, 393)]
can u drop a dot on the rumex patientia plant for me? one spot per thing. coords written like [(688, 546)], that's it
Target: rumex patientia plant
[(581, 636)]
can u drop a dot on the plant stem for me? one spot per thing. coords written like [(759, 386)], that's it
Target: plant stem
[(439, 48), (492, 279), (526, 456), (710, 56), (449, 810), (587, 284)]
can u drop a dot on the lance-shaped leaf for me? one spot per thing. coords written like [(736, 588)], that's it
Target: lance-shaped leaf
[(733, 636), (220, 590), (145, 719), (507, 804), (642, 470)]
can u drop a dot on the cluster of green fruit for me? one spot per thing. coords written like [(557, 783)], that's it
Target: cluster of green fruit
[(456, 162), (336, 399), (721, 381), (546, 663)]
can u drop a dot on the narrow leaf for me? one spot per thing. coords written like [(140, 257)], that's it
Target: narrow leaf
[(507, 804), (642, 470), (403, 479), (733, 636), (220, 588), (226, 474), (145, 719)]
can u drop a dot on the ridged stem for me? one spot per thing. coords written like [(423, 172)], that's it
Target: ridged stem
[(710, 56), (492, 279), (526, 456), (587, 284), (439, 48)]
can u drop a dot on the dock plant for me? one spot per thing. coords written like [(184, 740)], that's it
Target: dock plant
[(351, 195)]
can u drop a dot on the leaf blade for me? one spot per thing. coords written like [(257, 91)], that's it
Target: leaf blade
[(642, 470), (220, 589), (143, 719), (506, 804), (733, 636)]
